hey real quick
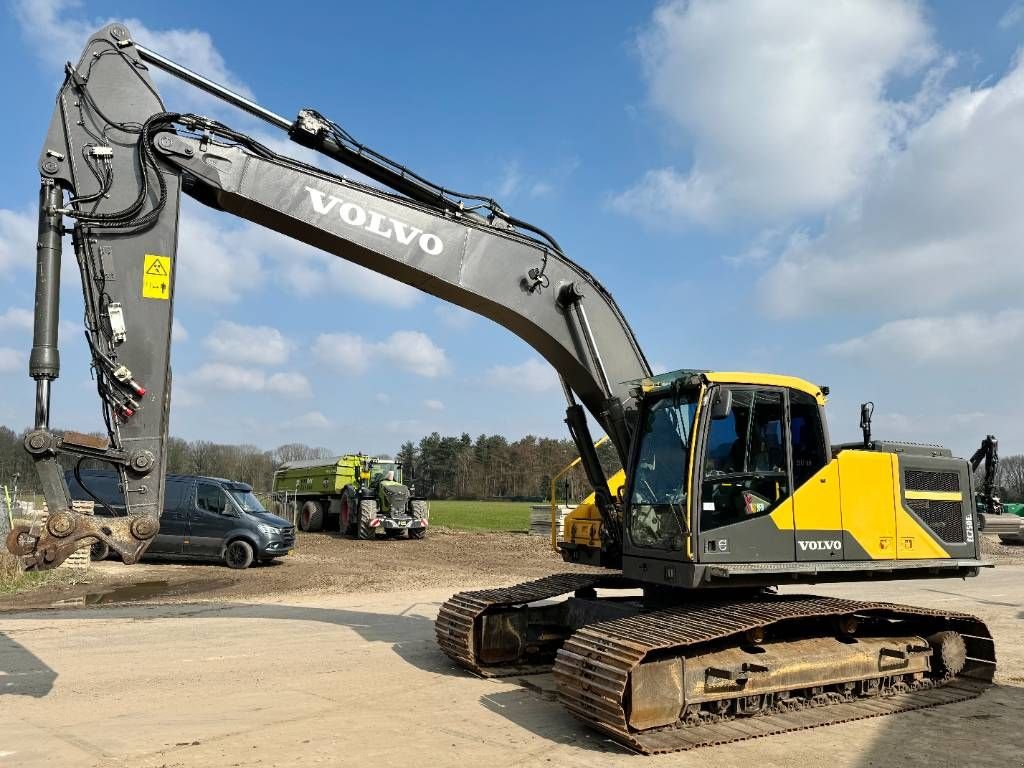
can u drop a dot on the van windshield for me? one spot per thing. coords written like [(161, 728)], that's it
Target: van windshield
[(247, 501)]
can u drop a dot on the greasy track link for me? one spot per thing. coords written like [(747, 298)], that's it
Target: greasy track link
[(456, 621), (593, 667)]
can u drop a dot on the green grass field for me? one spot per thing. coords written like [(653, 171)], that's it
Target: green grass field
[(481, 515)]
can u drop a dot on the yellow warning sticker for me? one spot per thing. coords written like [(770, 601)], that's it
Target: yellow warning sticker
[(156, 277)]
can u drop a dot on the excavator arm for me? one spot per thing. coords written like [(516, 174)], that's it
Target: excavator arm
[(114, 163)]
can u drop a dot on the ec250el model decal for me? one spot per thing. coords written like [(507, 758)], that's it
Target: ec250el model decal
[(375, 223)]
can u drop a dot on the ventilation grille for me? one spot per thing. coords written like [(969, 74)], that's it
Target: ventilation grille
[(944, 517), (923, 480)]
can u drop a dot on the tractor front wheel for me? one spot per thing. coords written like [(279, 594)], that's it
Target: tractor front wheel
[(367, 514)]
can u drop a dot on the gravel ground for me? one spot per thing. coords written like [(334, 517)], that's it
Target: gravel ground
[(330, 564), (996, 552)]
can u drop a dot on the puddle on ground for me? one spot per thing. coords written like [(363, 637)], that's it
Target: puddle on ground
[(123, 594), (141, 590)]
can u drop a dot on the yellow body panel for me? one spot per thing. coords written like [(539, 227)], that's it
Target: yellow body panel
[(582, 526), (815, 506), (859, 492), (913, 542)]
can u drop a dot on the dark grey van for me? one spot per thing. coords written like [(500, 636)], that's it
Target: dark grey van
[(204, 518)]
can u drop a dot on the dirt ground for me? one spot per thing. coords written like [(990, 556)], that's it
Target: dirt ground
[(320, 564)]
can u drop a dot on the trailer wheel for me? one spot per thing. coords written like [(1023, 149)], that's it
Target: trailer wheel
[(367, 514), (348, 520), (312, 517)]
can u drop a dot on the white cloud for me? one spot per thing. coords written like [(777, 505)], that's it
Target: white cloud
[(290, 384), (17, 240), (347, 353), (16, 318), (967, 337), (532, 375), (216, 262), (311, 420), (412, 351), (1014, 15), (434, 405), (938, 226), (224, 376), (308, 272), (59, 31), (382, 397), (11, 360), (259, 344), (179, 333), (416, 352), (783, 102), (234, 377), (511, 180)]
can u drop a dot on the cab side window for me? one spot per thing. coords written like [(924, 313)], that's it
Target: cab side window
[(210, 498), (746, 472), (809, 454)]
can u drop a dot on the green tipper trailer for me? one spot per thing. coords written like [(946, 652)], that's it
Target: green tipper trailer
[(359, 495)]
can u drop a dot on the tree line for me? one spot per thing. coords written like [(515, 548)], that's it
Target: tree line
[(441, 466), (490, 466)]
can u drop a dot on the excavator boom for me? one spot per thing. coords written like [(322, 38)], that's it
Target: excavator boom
[(115, 162)]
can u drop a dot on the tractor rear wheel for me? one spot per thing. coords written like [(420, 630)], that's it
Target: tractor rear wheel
[(367, 514), (311, 518)]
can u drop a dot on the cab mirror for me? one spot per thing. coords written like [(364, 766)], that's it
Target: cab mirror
[(722, 406)]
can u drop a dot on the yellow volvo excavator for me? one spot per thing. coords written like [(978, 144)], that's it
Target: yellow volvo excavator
[(730, 486)]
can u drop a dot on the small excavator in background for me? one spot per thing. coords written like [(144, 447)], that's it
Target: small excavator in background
[(730, 488)]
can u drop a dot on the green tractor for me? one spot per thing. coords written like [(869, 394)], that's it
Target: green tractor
[(358, 495)]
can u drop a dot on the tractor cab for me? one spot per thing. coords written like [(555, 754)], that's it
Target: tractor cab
[(378, 469)]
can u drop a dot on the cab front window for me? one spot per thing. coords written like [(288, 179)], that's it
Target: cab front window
[(658, 501)]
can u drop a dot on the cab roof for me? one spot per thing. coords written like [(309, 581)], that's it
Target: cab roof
[(663, 381)]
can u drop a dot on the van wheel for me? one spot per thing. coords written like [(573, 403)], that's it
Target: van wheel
[(100, 550), (238, 555), (367, 514), (311, 518)]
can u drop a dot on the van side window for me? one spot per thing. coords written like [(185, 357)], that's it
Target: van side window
[(210, 498), (808, 437), (174, 493)]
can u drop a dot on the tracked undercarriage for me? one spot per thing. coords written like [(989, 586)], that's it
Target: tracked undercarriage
[(662, 677)]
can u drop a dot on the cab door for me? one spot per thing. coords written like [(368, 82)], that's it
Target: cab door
[(745, 480), (817, 508), (210, 517)]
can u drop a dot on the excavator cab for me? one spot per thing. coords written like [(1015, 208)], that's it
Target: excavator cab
[(732, 481)]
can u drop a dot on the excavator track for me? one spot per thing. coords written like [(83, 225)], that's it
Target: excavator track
[(598, 667), (458, 621), (644, 677)]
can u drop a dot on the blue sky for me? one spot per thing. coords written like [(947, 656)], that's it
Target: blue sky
[(830, 190)]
